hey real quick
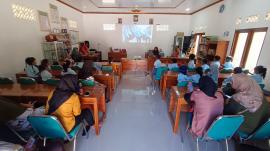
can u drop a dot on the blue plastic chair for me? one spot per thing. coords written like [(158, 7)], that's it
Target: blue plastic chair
[(48, 127), (160, 72), (223, 128), (262, 133)]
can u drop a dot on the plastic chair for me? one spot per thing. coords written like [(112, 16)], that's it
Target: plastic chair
[(48, 127), (56, 67), (27, 81), (87, 83), (223, 128), (52, 82), (107, 69), (6, 80), (175, 69), (160, 72), (226, 71), (262, 133)]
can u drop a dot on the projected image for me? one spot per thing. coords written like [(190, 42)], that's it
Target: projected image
[(137, 33)]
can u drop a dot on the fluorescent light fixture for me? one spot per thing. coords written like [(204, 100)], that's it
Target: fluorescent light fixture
[(108, 26), (108, 1), (187, 9), (162, 27), (72, 24)]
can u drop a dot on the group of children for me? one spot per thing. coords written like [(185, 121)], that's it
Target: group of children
[(208, 102)]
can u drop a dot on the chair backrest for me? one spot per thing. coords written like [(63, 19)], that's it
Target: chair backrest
[(26, 81), (107, 69), (224, 127), (262, 133), (6, 80), (56, 67), (52, 82), (160, 72), (87, 82), (47, 127)]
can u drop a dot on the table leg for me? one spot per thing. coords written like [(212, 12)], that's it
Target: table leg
[(177, 117), (172, 103), (164, 88), (96, 118)]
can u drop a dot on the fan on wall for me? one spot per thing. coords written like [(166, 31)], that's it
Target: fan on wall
[(221, 8)]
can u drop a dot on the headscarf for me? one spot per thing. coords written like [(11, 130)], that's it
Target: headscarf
[(67, 86), (86, 70), (248, 92), (208, 86)]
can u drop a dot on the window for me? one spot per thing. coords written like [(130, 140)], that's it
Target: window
[(108, 26), (22, 12), (247, 46)]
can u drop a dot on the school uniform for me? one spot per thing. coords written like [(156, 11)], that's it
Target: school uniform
[(45, 75), (31, 71), (258, 78), (69, 71), (172, 66), (78, 64), (157, 63), (182, 80), (214, 71), (228, 66), (205, 67), (191, 64)]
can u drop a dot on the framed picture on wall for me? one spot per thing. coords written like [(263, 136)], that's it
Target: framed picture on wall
[(119, 20), (64, 23), (151, 21), (44, 21), (135, 18), (54, 14)]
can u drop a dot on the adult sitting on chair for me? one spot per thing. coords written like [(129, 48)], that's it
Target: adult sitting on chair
[(247, 100), (64, 103), (208, 105)]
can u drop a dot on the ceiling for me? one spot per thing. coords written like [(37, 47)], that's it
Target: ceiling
[(146, 6)]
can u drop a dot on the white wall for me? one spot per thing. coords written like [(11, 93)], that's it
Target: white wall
[(19, 38), (217, 24), (93, 31)]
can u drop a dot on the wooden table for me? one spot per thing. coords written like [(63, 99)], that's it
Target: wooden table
[(96, 98), (55, 73), (177, 104), (117, 68), (168, 80), (108, 80), (133, 65), (117, 55)]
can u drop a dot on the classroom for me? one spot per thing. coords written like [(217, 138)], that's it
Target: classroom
[(134, 75)]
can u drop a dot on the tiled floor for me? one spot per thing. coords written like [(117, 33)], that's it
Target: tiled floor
[(138, 121)]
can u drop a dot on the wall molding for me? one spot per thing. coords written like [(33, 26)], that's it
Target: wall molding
[(154, 13)]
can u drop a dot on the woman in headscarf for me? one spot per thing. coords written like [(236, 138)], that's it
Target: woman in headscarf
[(87, 70), (248, 100), (208, 105), (64, 103)]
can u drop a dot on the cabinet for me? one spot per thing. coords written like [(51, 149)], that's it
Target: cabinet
[(54, 51)]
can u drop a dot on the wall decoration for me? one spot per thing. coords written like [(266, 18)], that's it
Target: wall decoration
[(221, 8), (23, 13), (226, 34), (72, 24), (54, 14), (252, 19), (64, 23), (267, 16), (162, 27), (151, 21), (238, 21), (135, 18), (44, 21), (119, 20), (108, 26)]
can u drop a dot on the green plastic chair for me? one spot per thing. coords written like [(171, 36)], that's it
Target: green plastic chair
[(6, 80), (87, 83), (52, 82), (160, 72), (26, 81), (175, 69), (226, 71), (56, 67), (48, 127), (107, 69), (223, 128), (262, 133)]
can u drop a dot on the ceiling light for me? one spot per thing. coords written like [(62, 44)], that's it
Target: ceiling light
[(108, 1), (187, 9)]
